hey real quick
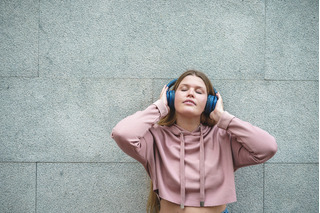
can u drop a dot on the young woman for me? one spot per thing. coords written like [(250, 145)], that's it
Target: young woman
[(189, 153)]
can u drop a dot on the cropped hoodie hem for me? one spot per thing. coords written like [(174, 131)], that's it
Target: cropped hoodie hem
[(193, 168)]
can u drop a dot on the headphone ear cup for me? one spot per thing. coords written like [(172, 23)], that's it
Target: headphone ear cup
[(171, 94), (170, 98), (211, 104)]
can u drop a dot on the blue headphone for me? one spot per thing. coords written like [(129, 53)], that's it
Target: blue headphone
[(210, 105)]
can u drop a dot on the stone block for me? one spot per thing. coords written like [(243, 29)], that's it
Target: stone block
[(92, 187), (66, 120), (291, 188), (19, 38), (249, 189), (292, 40), (144, 39), (17, 187), (288, 110)]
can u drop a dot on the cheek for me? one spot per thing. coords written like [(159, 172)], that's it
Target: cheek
[(203, 102), (177, 96)]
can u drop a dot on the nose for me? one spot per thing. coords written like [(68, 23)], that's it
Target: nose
[(190, 93)]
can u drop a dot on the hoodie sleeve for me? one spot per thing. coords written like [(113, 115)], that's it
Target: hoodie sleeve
[(132, 133), (250, 145)]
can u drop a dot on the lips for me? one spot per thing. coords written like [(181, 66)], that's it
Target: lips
[(189, 102)]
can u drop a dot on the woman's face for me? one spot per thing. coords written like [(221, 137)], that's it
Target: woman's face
[(190, 97)]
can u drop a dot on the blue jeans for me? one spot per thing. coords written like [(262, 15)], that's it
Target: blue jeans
[(225, 211)]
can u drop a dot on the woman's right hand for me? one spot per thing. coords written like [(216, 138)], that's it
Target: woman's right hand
[(163, 96)]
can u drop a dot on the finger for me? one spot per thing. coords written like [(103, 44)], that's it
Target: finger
[(164, 90), (218, 95), (165, 87), (220, 99)]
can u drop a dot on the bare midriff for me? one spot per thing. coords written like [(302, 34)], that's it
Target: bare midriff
[(169, 207)]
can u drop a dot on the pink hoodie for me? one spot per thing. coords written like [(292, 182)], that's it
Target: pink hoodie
[(193, 168)]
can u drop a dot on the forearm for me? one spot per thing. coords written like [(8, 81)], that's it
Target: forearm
[(135, 126), (251, 144)]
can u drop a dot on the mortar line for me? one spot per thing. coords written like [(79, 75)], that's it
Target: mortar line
[(265, 70), (66, 162), (36, 190), (264, 187), (291, 163), (265, 40), (133, 162), (38, 74), (108, 78), (234, 79), (152, 89)]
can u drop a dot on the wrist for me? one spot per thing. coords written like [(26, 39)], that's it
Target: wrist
[(162, 107), (216, 115)]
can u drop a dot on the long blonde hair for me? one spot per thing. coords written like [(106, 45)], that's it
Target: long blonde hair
[(153, 204)]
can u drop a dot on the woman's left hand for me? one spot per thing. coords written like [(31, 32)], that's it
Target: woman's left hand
[(218, 110)]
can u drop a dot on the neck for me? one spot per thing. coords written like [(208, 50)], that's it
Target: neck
[(189, 124)]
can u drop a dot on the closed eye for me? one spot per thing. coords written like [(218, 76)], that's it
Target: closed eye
[(184, 89), (198, 90)]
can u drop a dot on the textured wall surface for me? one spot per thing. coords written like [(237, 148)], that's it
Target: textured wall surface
[(70, 70)]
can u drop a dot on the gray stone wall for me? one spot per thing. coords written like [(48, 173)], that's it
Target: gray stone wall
[(70, 70)]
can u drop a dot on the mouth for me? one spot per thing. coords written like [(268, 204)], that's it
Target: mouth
[(189, 102)]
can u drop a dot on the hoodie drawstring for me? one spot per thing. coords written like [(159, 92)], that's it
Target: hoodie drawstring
[(202, 169), (182, 170)]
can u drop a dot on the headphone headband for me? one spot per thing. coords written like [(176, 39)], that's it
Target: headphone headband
[(171, 83)]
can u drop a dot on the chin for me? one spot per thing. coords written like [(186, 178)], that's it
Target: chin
[(189, 113)]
